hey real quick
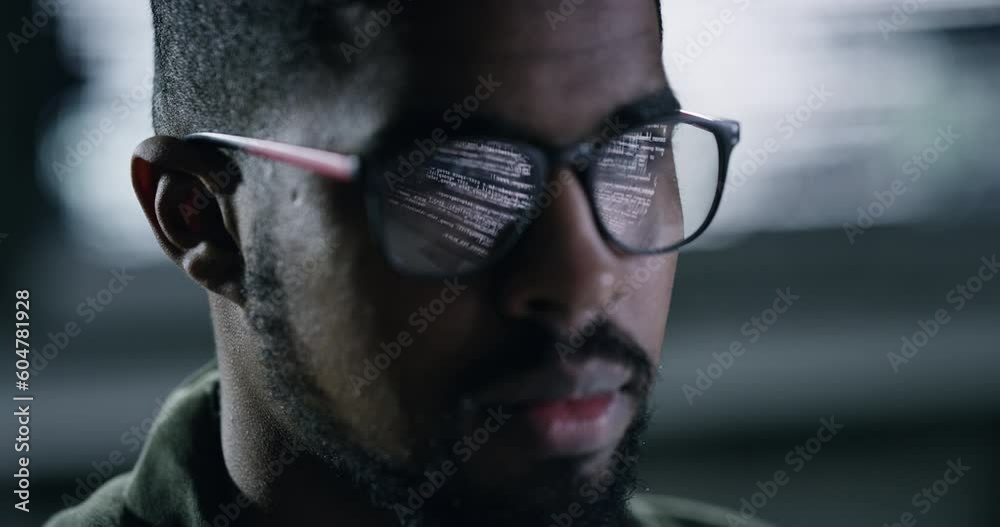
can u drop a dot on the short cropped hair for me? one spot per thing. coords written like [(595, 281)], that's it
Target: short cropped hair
[(217, 61)]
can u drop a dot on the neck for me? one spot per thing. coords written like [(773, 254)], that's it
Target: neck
[(280, 482), (283, 483)]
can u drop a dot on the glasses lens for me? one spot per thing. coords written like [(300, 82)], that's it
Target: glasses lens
[(457, 208), (655, 184)]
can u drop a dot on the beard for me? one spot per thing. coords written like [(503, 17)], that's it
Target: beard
[(399, 488)]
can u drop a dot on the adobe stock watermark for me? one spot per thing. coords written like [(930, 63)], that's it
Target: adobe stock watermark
[(463, 451), (957, 297), (31, 26), (925, 500), (624, 289), (366, 33), (594, 488), (222, 179), (567, 8), (915, 167), (796, 460), (424, 148), (901, 13), (230, 512), (93, 137), (611, 129), (133, 438), (785, 128), (713, 30), (136, 436), (87, 310), (420, 319), (201, 199), (754, 329), (294, 275)]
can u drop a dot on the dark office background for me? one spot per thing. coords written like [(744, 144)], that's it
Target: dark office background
[(892, 94)]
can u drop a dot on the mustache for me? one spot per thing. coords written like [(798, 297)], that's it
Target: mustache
[(530, 345)]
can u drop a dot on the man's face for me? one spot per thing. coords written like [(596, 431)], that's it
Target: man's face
[(518, 381)]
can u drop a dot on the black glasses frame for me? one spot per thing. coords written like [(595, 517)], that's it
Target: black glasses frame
[(370, 170)]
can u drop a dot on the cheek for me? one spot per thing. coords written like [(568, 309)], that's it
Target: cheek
[(322, 256), (330, 273), (383, 349), (442, 321), (424, 334), (644, 301)]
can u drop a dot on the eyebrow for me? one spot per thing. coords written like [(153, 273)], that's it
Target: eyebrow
[(659, 102), (420, 123)]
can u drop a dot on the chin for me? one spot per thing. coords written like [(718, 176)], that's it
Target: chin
[(584, 478)]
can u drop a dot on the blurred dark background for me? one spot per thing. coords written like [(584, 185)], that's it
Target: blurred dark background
[(893, 86)]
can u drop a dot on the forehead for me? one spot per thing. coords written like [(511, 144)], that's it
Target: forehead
[(554, 68)]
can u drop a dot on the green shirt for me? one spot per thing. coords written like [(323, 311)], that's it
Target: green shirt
[(181, 480)]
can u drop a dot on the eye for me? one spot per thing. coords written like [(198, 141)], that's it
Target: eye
[(460, 207), (654, 184)]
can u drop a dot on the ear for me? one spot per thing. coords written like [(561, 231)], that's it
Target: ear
[(187, 195)]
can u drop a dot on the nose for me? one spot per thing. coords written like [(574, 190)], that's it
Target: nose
[(562, 272)]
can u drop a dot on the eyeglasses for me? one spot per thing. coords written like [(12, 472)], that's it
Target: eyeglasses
[(453, 204)]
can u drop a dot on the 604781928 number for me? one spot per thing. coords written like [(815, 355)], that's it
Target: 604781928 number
[(22, 331)]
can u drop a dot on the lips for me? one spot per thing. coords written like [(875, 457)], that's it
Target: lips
[(564, 408), (557, 380)]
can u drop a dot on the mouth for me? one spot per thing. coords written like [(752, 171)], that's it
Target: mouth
[(564, 408)]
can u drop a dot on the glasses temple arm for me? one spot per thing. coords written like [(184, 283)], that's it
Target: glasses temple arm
[(343, 168)]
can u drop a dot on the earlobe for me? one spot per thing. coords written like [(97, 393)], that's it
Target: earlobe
[(191, 215)]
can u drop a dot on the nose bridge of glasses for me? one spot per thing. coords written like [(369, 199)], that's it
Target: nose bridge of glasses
[(565, 189), (563, 214), (575, 157)]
